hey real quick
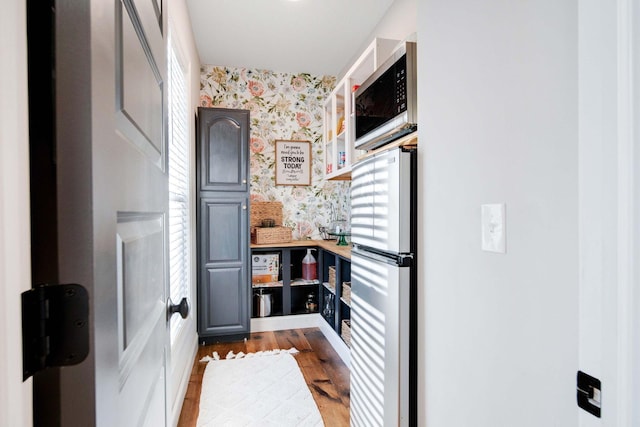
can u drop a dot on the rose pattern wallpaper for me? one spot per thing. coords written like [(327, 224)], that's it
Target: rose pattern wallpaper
[(282, 106)]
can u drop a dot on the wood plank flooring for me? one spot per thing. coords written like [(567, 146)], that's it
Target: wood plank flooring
[(325, 373)]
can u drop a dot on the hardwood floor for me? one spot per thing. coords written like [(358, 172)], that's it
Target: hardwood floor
[(325, 373)]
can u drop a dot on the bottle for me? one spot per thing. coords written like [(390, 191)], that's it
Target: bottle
[(309, 266)]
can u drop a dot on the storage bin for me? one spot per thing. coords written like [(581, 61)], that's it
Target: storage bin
[(345, 332), (266, 210), (265, 235), (346, 292), (332, 278)]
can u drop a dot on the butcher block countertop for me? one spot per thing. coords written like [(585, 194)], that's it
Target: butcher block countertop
[(329, 245)]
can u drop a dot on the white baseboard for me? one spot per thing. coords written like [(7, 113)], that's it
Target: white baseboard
[(279, 323), (298, 321), (184, 383), (336, 341)]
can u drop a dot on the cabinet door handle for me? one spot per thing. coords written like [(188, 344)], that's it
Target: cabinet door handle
[(244, 207), (244, 181)]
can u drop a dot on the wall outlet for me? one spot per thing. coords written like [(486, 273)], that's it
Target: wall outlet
[(493, 228)]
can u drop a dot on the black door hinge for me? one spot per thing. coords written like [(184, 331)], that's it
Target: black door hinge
[(55, 327), (589, 393)]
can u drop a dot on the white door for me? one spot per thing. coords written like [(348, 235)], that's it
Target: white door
[(609, 210), (112, 205)]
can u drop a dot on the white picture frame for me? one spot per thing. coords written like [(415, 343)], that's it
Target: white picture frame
[(293, 162)]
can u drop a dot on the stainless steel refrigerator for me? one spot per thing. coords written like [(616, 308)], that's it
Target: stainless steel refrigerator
[(383, 293)]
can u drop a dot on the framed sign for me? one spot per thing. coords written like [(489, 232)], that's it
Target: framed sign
[(293, 163)]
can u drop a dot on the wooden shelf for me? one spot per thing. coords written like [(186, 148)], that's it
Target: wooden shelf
[(329, 245), (303, 282), (329, 288), (277, 284)]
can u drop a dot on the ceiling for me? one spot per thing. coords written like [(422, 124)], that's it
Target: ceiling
[(319, 37)]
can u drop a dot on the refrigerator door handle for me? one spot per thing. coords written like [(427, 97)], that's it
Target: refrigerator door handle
[(399, 260)]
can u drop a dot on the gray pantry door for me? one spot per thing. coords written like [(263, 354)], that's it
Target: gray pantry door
[(113, 205)]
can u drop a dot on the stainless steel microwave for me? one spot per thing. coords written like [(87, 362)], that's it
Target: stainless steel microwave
[(386, 103)]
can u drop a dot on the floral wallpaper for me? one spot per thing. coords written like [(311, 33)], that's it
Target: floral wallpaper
[(289, 107)]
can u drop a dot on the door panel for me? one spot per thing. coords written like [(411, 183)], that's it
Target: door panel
[(223, 243), (140, 258), (141, 378), (224, 138), (150, 18), (139, 87), (226, 313)]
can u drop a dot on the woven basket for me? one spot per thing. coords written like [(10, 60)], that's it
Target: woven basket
[(346, 292), (332, 277), (345, 332), (264, 235), (265, 210)]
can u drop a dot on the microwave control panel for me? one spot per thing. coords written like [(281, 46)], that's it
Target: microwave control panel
[(401, 87)]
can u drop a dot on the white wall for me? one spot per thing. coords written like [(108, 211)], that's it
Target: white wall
[(15, 257), (398, 23), (498, 124)]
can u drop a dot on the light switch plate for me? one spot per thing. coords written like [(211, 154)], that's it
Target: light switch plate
[(493, 228)]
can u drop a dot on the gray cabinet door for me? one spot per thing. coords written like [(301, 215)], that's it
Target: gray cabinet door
[(224, 284), (224, 149), (223, 223)]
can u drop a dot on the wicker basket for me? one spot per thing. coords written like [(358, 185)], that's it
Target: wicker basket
[(346, 292), (265, 210), (332, 277), (264, 235), (345, 332)]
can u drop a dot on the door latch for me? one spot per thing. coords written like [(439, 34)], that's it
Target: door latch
[(55, 327), (589, 393)]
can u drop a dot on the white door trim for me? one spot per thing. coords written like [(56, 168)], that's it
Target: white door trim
[(15, 256), (609, 205), (628, 225)]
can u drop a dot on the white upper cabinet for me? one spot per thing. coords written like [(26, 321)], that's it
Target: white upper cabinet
[(339, 129)]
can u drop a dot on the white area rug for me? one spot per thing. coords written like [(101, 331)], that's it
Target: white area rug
[(256, 389)]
